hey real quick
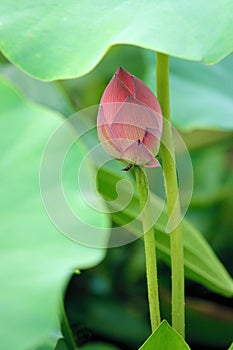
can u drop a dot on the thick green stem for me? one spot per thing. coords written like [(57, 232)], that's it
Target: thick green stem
[(67, 333), (150, 251), (172, 194)]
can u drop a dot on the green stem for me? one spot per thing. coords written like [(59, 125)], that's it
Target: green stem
[(172, 194), (66, 331), (149, 243)]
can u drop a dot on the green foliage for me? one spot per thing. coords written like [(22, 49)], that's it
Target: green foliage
[(201, 264), (165, 337), (37, 261), (116, 288), (53, 41), (58, 40)]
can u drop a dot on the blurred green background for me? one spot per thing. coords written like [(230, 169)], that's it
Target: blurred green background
[(111, 298), (108, 303)]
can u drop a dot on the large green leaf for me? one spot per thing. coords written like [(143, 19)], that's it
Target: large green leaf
[(200, 94), (36, 259), (165, 337), (64, 39), (201, 263)]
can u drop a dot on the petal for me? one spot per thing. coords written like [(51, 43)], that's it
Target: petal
[(116, 91), (107, 144), (145, 95), (100, 117), (105, 135), (126, 134), (151, 140), (124, 126), (132, 123), (133, 113), (137, 153), (126, 78), (110, 110), (154, 163), (103, 128)]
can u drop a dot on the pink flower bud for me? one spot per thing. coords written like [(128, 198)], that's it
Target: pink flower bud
[(129, 120)]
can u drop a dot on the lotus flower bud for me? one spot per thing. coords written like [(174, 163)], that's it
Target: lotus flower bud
[(129, 121)]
